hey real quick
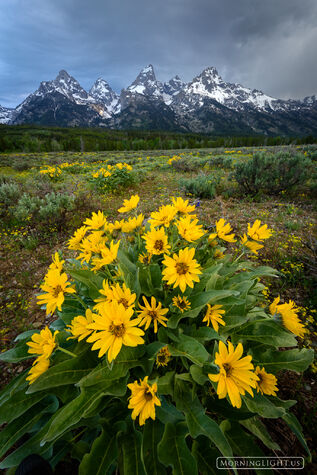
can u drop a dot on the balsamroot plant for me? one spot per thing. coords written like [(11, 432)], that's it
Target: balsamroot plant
[(162, 354)]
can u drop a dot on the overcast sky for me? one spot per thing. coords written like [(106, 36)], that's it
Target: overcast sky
[(263, 44)]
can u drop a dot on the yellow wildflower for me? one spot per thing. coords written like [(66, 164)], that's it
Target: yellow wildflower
[(130, 204), (78, 326), (266, 383), (163, 216), (223, 231), (181, 270), (43, 343), (39, 367), (188, 228), (214, 315), (152, 313), (114, 328), (55, 285), (235, 375), (258, 232), (143, 400), (156, 241)]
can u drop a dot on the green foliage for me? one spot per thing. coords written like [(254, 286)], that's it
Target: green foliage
[(52, 208), (9, 193), (119, 178), (272, 173), (201, 186)]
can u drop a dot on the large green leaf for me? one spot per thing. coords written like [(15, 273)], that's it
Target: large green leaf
[(205, 456), (71, 308), (31, 446), (156, 276), (224, 409), (15, 385), (83, 406), (257, 428), (267, 332), (90, 279), (197, 374), (294, 360), (128, 357), (130, 272), (293, 423), (18, 404), (131, 460), (152, 435), (102, 454), (165, 384), (19, 353), (191, 349), (173, 450), (263, 407), (242, 443), (65, 373), (203, 333), (167, 413), (201, 424), (17, 428)]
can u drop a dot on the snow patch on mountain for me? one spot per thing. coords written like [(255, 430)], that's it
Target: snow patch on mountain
[(6, 115)]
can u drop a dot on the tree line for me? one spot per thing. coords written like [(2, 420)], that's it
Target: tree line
[(34, 139)]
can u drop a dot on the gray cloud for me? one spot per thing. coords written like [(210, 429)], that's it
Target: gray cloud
[(268, 45)]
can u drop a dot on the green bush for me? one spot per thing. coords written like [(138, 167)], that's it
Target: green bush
[(185, 165), (50, 209), (202, 186), (119, 178), (9, 193), (272, 174)]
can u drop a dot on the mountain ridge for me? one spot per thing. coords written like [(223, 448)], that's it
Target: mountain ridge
[(205, 104)]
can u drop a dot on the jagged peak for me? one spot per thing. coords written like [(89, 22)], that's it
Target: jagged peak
[(63, 74), (210, 71), (148, 69)]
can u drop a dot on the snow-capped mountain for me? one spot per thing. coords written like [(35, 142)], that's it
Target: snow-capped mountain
[(6, 115), (210, 85), (146, 83), (102, 93), (172, 87), (206, 104)]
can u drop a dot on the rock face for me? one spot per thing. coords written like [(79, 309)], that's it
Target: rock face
[(206, 104)]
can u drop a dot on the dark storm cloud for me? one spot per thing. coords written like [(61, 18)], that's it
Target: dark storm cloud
[(268, 45)]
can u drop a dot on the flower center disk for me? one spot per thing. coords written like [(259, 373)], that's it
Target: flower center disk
[(181, 268), (117, 330)]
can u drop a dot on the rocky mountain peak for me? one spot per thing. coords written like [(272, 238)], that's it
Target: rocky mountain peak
[(62, 75), (102, 93), (146, 83)]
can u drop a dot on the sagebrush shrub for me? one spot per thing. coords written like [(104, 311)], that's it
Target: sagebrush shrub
[(9, 193), (272, 174), (201, 186), (52, 208)]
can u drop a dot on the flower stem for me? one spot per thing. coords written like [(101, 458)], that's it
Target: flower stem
[(80, 300), (67, 352)]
